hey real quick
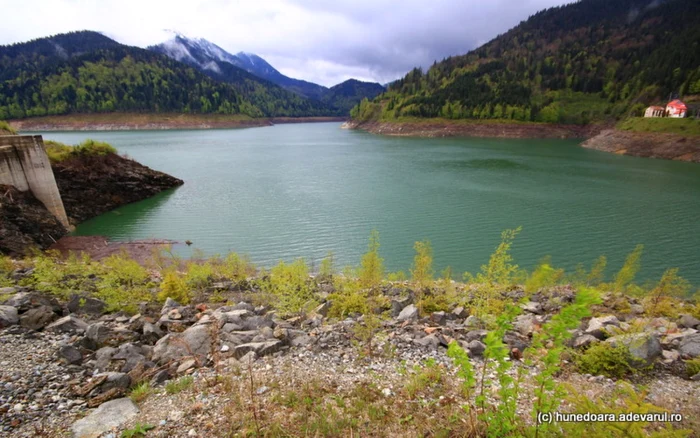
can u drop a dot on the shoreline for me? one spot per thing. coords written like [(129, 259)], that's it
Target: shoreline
[(153, 122), (664, 146)]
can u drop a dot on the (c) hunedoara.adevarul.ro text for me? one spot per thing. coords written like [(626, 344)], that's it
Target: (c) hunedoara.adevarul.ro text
[(591, 417)]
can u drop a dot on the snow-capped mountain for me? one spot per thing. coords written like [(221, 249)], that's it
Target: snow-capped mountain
[(207, 56)]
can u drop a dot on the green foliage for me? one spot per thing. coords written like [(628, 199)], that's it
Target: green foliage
[(140, 392), (6, 129), (543, 276), (327, 269), (422, 269), (139, 430), (234, 267), (63, 278), (6, 269), (602, 359), (179, 385), (624, 399), (660, 301), (396, 277), (123, 283), (59, 152), (291, 286), (629, 270), (692, 367), (349, 297), (175, 287), (199, 276), (422, 378), (371, 265), (498, 274), (597, 274), (669, 125)]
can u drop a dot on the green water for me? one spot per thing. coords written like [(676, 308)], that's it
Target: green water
[(303, 190)]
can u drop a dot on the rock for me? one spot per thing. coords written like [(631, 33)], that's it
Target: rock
[(67, 324), (116, 380), (196, 341), (532, 307), (8, 316), (186, 365), (109, 415), (260, 348), (670, 356), (431, 341), (4, 291), (696, 378), (397, 305), (86, 305), (439, 318), (257, 322), (151, 333), (477, 335), (70, 355), (476, 348), (24, 301), (516, 340), (690, 346), (460, 313), (323, 309), (169, 304), (584, 341), (103, 357), (37, 318), (132, 355), (597, 326), (472, 321), (674, 339), (409, 313), (98, 333), (643, 347), (689, 321), (525, 324)]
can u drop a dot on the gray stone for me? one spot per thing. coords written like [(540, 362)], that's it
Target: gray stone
[(472, 321), (196, 341), (103, 357), (70, 355), (98, 333), (430, 341), (115, 380), (525, 324), (37, 318), (460, 313), (244, 306), (8, 291), (689, 321), (670, 356), (8, 316), (597, 326), (169, 304), (532, 307), (260, 348), (397, 305), (696, 378), (477, 335), (439, 318), (238, 337), (131, 354), (476, 348), (67, 324), (585, 341), (323, 309), (109, 415), (24, 301), (151, 333), (186, 365), (409, 313), (643, 347), (86, 305), (257, 322), (690, 346)]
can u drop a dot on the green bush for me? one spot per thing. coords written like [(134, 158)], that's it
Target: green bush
[(625, 276), (59, 152), (175, 287), (372, 266), (4, 126), (603, 359), (123, 284), (422, 269), (291, 286), (692, 367)]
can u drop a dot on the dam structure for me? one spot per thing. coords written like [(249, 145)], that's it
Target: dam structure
[(25, 165)]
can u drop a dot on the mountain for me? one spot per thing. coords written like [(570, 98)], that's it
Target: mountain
[(347, 94), (588, 61), (86, 72), (217, 63), (207, 56)]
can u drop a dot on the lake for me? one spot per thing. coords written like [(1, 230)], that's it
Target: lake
[(303, 190)]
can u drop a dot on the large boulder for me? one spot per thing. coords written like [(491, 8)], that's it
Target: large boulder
[(690, 346), (24, 301), (526, 324), (108, 416), (86, 305), (67, 324), (409, 313), (259, 348), (643, 347), (195, 341), (598, 326), (689, 321), (8, 316), (37, 318)]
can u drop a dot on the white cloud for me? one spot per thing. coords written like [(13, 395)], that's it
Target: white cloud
[(316, 40)]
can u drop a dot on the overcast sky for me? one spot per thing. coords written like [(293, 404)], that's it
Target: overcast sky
[(323, 41)]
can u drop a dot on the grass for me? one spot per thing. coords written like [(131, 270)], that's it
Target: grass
[(141, 392), (664, 125), (59, 152), (5, 128), (179, 385)]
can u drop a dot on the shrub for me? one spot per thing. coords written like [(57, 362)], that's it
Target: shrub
[(179, 385), (422, 269), (629, 270), (235, 267), (59, 152), (174, 286), (606, 360), (140, 392), (692, 367), (327, 269), (371, 265), (94, 148), (4, 126), (543, 276), (123, 284), (6, 269), (291, 286), (64, 278), (659, 302), (199, 276)]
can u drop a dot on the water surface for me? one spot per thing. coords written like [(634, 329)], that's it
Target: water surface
[(302, 190)]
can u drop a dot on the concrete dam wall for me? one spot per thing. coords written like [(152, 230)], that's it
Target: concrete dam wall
[(25, 165)]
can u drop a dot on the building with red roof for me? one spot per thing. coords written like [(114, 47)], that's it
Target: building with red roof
[(676, 109)]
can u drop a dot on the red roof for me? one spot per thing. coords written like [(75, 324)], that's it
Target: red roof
[(677, 104)]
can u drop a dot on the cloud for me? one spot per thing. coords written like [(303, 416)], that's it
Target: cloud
[(316, 40)]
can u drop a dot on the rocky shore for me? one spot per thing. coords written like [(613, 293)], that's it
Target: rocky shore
[(449, 128), (648, 145), (227, 365)]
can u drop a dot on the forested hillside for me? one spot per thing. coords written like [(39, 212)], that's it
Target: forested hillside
[(347, 94), (589, 61), (85, 72)]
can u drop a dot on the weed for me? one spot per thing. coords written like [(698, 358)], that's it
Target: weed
[(371, 265), (137, 431), (606, 360), (140, 392), (179, 385), (629, 270)]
